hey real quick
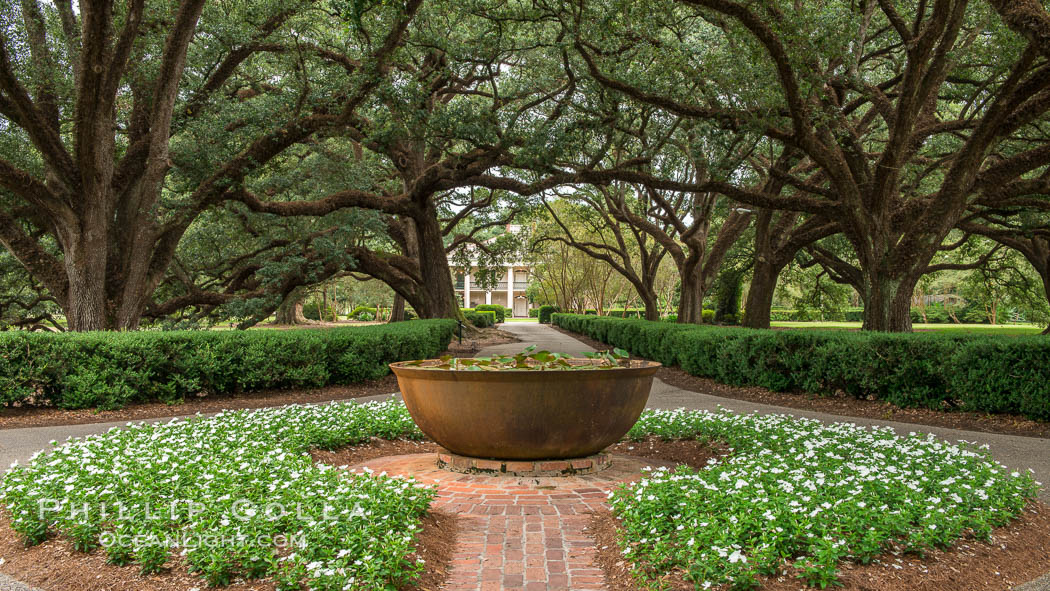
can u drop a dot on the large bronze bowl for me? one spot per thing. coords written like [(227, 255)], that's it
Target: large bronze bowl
[(526, 414)]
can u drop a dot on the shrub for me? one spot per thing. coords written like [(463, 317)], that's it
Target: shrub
[(499, 311), (508, 313), (313, 311), (356, 312), (708, 316), (110, 370), (985, 373), (534, 312), (483, 319), (366, 317), (546, 312)]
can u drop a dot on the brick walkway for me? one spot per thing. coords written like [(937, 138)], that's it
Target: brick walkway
[(519, 533)]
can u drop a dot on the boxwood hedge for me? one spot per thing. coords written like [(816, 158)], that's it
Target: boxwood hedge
[(109, 370), (985, 373), (499, 311)]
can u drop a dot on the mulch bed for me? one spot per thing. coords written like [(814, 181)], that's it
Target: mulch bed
[(847, 406), (376, 448), (55, 566), (1017, 553), (43, 416), (36, 416), (680, 451)]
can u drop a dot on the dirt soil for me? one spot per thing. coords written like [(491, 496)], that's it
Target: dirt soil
[(377, 448), (56, 566), (1016, 554), (847, 406), (476, 339), (16, 417), (681, 451)]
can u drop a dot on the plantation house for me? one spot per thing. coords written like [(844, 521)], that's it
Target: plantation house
[(508, 291)]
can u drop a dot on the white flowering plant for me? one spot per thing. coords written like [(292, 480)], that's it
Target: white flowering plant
[(799, 493), (226, 491)]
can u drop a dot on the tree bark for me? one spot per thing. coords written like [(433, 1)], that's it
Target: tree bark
[(291, 309), (439, 294), (760, 294), (887, 302), (652, 309), (397, 310), (691, 302), (1045, 272), (85, 264)]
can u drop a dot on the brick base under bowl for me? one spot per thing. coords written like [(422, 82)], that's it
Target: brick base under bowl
[(447, 460)]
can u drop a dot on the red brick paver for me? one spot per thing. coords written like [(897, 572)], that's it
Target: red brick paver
[(525, 534)]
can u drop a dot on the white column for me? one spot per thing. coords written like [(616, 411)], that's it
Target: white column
[(466, 289), (510, 289), (488, 297)]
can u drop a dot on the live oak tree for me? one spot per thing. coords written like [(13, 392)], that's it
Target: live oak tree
[(779, 237), (1026, 232), (585, 223), (101, 102), (910, 113), (481, 107)]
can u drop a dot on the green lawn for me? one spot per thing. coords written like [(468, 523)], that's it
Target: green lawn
[(533, 320), (1006, 329)]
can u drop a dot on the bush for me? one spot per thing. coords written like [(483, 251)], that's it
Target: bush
[(312, 310), (110, 370), (708, 316), (984, 373), (546, 312), (508, 313), (480, 319), (356, 312), (534, 312), (499, 311)]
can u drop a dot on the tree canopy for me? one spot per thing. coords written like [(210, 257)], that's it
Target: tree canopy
[(164, 160)]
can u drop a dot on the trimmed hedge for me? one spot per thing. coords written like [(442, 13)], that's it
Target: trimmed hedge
[(500, 311), (108, 370), (534, 312), (985, 373), (480, 319), (546, 312)]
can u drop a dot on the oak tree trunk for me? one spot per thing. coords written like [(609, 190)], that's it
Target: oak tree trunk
[(887, 302), (652, 309), (397, 310), (291, 309), (691, 302), (760, 293), (439, 294)]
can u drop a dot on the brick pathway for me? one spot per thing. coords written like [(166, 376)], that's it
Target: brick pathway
[(519, 533)]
